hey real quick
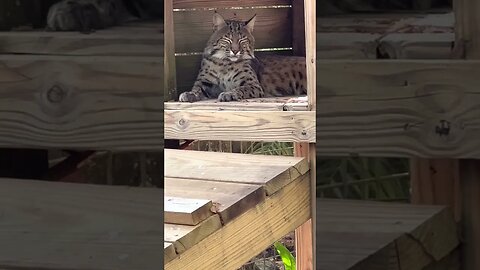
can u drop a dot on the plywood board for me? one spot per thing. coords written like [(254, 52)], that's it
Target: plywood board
[(186, 211)]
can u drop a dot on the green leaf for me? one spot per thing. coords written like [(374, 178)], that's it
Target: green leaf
[(287, 257)]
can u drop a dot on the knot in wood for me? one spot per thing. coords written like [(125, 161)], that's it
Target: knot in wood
[(182, 122), (56, 94), (443, 128)]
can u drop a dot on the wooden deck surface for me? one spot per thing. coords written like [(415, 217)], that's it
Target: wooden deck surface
[(75, 91), (255, 199), (58, 226), (365, 235)]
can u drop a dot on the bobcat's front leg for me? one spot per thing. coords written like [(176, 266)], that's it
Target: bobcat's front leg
[(242, 92)]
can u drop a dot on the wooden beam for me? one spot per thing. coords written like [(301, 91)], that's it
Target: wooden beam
[(287, 126), (76, 102), (424, 108), (186, 211), (287, 210), (170, 69)]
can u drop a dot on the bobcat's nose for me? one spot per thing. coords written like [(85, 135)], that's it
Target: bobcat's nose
[(235, 51)]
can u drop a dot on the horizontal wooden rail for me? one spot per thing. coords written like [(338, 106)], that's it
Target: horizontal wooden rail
[(287, 126), (425, 108)]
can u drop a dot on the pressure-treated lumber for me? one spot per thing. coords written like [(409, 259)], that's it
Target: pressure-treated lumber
[(272, 171), (229, 198), (398, 108), (385, 236), (186, 211), (194, 28), (74, 91), (266, 223), (79, 226), (291, 126)]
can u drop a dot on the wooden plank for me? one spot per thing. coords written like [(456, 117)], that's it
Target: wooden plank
[(134, 39), (288, 126), (263, 225), (185, 237), (186, 211), (81, 102), (274, 172), (417, 45), (187, 4), (79, 226), (373, 235), (254, 104), (407, 107), (187, 68), (347, 45), (169, 252), (230, 199), (273, 27), (436, 181)]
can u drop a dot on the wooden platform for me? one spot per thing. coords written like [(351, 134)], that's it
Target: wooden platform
[(394, 36), (70, 90), (58, 226), (364, 235), (245, 203), (260, 119)]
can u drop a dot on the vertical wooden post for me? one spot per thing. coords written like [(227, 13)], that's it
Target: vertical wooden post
[(169, 57), (305, 234), (468, 37)]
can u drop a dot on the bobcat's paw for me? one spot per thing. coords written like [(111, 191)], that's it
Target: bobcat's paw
[(228, 96), (188, 97)]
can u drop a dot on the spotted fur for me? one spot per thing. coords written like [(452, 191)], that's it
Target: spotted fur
[(230, 71)]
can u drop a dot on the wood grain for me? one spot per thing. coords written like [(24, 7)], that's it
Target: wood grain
[(170, 92), (79, 226), (273, 27), (274, 172), (285, 126), (230, 199), (262, 225), (186, 211), (76, 102), (382, 236), (184, 237), (188, 4), (255, 104), (169, 251), (398, 108), (133, 39)]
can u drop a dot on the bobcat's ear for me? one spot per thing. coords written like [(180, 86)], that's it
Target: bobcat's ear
[(250, 23), (218, 21)]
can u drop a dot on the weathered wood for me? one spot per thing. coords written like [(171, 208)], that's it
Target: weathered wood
[(169, 251), (371, 235), (170, 92), (134, 39), (278, 215), (194, 4), (294, 126), (436, 181), (79, 102), (254, 104), (85, 226), (186, 211), (274, 172), (185, 237), (347, 45), (229, 199), (398, 108), (273, 27)]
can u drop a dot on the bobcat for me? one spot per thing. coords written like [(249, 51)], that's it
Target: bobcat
[(88, 15), (230, 71)]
